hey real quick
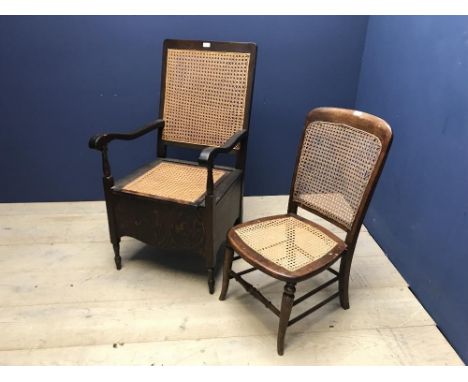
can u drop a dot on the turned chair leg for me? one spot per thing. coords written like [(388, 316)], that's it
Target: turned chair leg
[(227, 265), (117, 258), (343, 281), (285, 313), (211, 282)]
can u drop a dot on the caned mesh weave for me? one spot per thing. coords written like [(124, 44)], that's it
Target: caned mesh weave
[(334, 169), (175, 181), (205, 95), (286, 241)]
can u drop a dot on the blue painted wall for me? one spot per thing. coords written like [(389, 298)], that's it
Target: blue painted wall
[(415, 75), (63, 79)]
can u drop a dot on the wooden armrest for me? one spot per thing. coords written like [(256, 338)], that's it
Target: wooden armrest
[(100, 141), (208, 155)]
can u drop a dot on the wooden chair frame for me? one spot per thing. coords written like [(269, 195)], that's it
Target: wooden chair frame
[(356, 119), (159, 222)]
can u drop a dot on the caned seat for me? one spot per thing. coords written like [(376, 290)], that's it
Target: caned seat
[(286, 246), (180, 182), (340, 158)]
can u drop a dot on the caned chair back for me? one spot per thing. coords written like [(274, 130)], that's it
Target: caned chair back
[(340, 159), (206, 91)]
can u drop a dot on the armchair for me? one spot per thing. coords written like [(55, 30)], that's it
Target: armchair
[(206, 91)]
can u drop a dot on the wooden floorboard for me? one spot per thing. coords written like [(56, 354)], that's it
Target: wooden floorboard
[(146, 320), (62, 302), (141, 280), (401, 346)]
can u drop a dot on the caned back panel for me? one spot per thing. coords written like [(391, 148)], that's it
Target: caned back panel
[(334, 169), (205, 95)]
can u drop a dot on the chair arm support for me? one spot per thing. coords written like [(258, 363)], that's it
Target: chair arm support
[(208, 155), (100, 141)]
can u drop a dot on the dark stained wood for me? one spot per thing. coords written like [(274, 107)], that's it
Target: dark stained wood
[(270, 268), (316, 290), (286, 308), (228, 259), (117, 258), (173, 224), (313, 309), (100, 141), (245, 271), (344, 250), (209, 154), (255, 293)]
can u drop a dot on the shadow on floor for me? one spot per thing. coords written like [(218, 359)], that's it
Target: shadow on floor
[(181, 261)]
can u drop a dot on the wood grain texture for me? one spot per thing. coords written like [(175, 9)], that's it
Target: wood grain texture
[(161, 319), (359, 347), (62, 303)]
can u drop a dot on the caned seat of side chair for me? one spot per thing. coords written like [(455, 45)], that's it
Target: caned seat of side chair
[(289, 242), (174, 181), (205, 95)]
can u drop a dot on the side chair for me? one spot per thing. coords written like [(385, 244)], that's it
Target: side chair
[(340, 158)]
